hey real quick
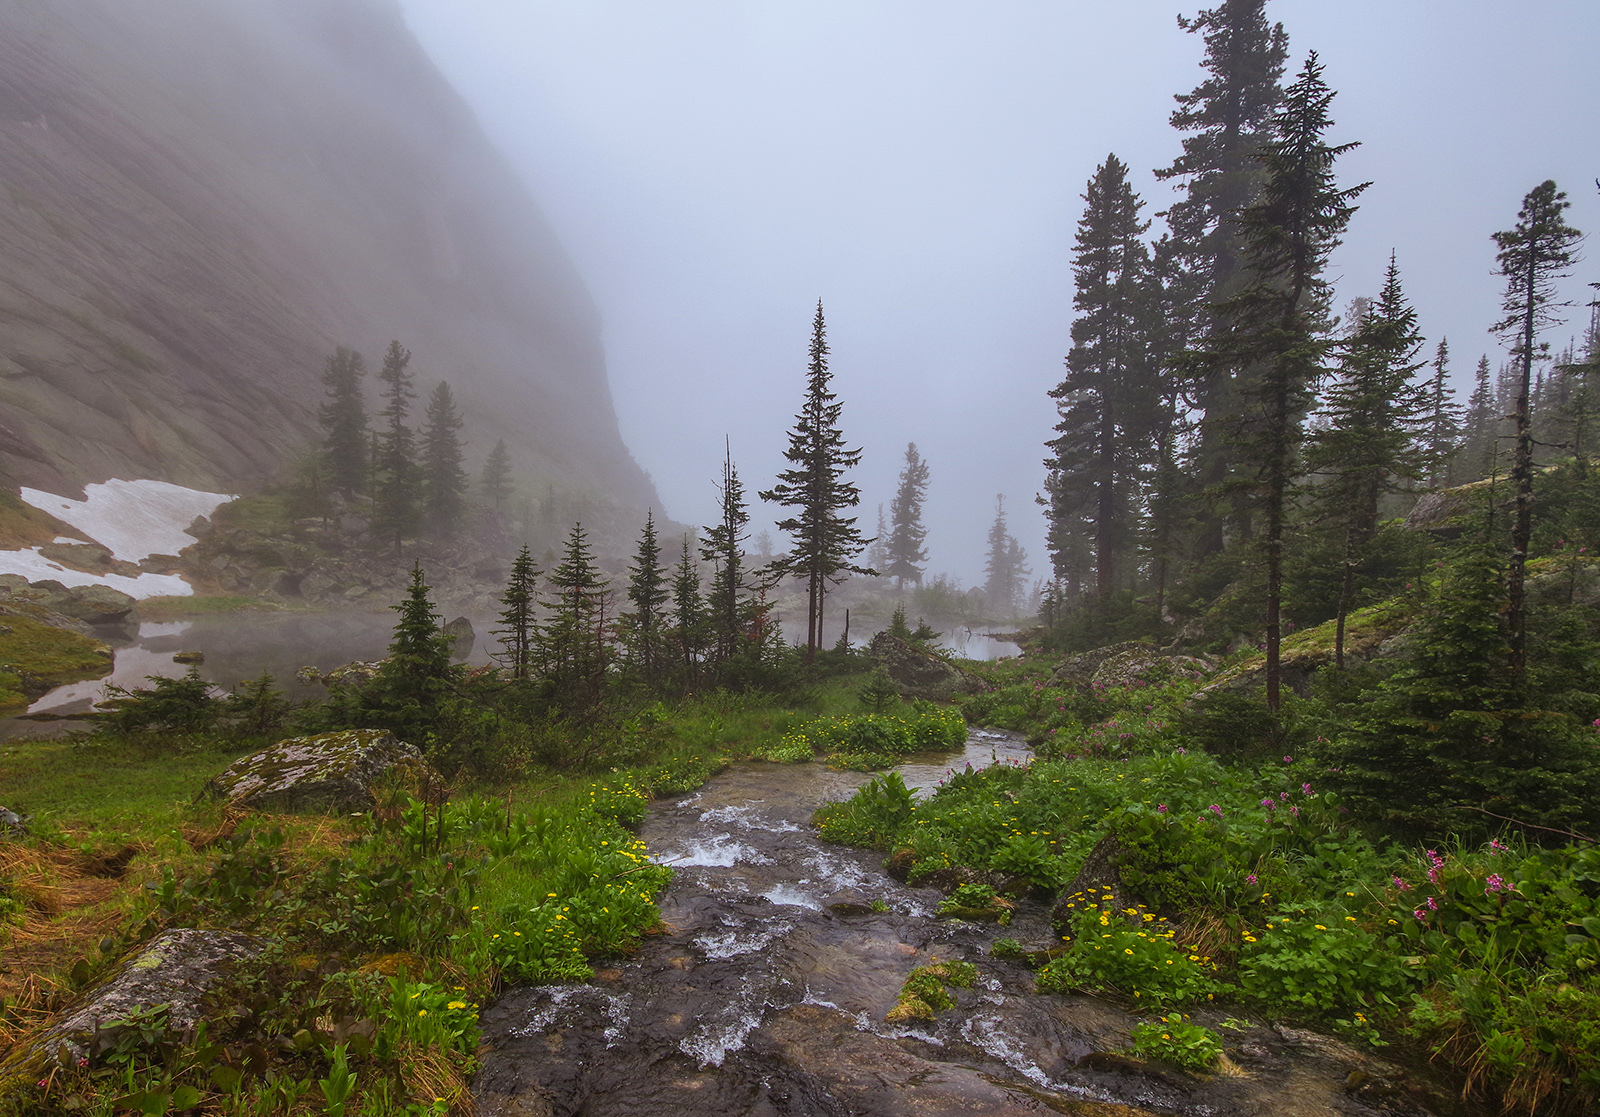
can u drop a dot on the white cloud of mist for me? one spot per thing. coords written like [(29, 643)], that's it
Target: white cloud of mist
[(716, 166)]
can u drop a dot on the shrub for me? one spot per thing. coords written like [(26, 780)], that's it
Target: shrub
[(873, 816), (1131, 952)]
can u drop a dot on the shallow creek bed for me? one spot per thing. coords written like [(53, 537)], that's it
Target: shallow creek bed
[(762, 1000)]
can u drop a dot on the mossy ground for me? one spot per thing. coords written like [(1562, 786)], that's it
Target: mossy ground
[(51, 655)]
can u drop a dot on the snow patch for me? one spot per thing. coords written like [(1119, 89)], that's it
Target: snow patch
[(131, 519), (35, 567)]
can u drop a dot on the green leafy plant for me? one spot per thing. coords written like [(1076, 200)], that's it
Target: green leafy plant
[(1173, 1039)]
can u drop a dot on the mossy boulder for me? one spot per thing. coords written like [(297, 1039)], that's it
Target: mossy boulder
[(325, 772), (919, 673), (169, 975)]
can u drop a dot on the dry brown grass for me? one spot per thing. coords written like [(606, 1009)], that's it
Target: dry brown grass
[(431, 1074)]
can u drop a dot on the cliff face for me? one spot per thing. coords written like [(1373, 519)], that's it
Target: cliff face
[(199, 199)]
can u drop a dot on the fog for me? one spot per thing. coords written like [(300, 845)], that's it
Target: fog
[(714, 167)]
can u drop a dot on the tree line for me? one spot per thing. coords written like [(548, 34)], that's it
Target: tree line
[(1219, 420), (412, 481)]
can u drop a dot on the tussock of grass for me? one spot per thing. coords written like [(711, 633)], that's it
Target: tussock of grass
[(47, 654)]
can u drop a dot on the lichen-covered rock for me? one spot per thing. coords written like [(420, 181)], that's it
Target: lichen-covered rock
[(918, 673), (174, 970), (1079, 670), (328, 771)]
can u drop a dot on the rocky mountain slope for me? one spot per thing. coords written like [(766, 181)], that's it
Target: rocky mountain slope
[(199, 199)]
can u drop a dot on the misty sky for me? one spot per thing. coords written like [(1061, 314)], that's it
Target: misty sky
[(716, 166)]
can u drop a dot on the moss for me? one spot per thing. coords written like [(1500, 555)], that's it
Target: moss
[(35, 656)]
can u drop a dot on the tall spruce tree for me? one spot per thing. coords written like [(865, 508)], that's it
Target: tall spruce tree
[(825, 540), (1479, 445), (1533, 254), (727, 600), (1444, 427), (1005, 566), (444, 481), (494, 483), (1372, 438), (415, 679), (344, 423), (1277, 324), (907, 551), (1109, 400), (688, 613), (647, 591), (1227, 118), (519, 631), (397, 510), (575, 653)]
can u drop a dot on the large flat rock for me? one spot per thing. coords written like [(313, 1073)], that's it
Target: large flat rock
[(325, 772)]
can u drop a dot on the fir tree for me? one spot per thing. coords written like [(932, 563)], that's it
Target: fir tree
[(1444, 427), (1478, 447), (1228, 117), (344, 423), (825, 540), (1582, 405), (877, 555), (1005, 568), (1277, 324), (519, 634), (907, 552), (576, 658), (444, 482), (1533, 255), (397, 510), (494, 483), (688, 612), (1369, 444), (647, 590), (1104, 402), (416, 677), (727, 601)]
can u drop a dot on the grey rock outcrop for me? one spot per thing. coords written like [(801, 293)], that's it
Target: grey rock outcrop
[(1130, 663), (325, 772), (918, 673), (79, 608)]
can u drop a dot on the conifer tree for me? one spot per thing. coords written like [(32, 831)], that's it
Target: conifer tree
[(727, 600), (688, 612), (344, 423), (519, 634), (1582, 407), (397, 506), (1533, 255), (1444, 429), (444, 481), (1005, 567), (495, 481), (1478, 446), (825, 540), (907, 552), (576, 658), (877, 555), (1108, 400), (1227, 118), (415, 678), (647, 590), (1372, 440), (1277, 323)]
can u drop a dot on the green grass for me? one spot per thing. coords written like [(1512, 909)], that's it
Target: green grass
[(54, 655)]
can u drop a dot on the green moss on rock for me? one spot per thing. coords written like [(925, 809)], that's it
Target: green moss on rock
[(324, 772)]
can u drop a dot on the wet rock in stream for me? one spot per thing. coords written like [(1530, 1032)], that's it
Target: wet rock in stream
[(768, 993)]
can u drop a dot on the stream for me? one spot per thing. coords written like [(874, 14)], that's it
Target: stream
[(764, 998)]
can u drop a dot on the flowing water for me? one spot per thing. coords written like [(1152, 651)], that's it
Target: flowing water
[(765, 998)]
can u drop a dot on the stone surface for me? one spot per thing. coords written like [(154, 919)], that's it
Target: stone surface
[(80, 608), (12, 823), (1094, 881), (462, 636), (325, 772), (174, 969), (918, 673)]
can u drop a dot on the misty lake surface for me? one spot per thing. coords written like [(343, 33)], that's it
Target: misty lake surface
[(240, 646)]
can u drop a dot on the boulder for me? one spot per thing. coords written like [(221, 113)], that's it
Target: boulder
[(1079, 670), (172, 971), (461, 632), (325, 772), (919, 673), (1095, 881), (12, 823)]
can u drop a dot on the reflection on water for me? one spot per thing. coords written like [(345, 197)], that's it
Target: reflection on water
[(962, 640)]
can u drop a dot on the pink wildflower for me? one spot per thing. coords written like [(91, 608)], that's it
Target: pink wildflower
[(1401, 884)]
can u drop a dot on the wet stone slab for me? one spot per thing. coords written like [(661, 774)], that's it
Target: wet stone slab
[(761, 1000)]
